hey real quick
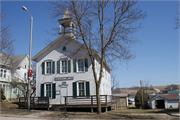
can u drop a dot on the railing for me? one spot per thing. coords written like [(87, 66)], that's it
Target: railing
[(87, 100), (35, 102)]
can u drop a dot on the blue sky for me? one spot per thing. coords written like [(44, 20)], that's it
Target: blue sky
[(157, 55)]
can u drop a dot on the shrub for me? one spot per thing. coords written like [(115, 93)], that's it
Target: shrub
[(2, 95)]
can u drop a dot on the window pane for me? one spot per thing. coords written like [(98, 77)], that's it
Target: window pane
[(80, 65), (64, 66), (48, 90), (48, 67), (81, 89)]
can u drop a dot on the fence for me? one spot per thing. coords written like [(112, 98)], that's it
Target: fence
[(35, 102), (87, 100)]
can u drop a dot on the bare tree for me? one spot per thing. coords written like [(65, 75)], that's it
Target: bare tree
[(114, 82), (104, 28)]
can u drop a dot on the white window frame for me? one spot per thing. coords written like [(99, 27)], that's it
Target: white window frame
[(48, 90), (45, 88), (45, 66), (81, 81), (3, 73), (61, 70)]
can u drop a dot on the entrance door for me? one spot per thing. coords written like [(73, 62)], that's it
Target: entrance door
[(63, 93)]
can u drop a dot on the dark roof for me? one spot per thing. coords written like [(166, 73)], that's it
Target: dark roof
[(165, 96)]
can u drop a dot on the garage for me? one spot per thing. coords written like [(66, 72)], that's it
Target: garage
[(160, 104), (163, 101)]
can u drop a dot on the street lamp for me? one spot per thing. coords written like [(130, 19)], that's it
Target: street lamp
[(30, 70)]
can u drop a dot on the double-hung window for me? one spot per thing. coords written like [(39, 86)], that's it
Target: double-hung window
[(81, 89), (80, 65), (64, 66), (48, 67), (48, 90)]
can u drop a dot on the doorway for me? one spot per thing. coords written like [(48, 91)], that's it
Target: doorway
[(63, 93), (160, 104)]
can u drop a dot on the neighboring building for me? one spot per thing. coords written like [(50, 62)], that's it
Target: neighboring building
[(173, 92), (65, 69), (121, 99), (164, 101), (19, 64)]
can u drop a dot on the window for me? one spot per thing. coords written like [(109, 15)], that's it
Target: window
[(1, 72), (25, 76), (4, 73), (80, 65), (48, 67), (25, 66), (82, 87), (64, 48), (15, 91), (64, 66), (48, 90)]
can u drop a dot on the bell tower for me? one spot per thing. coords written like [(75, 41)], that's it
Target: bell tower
[(67, 25)]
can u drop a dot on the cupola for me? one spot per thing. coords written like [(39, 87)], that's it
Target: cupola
[(67, 25)]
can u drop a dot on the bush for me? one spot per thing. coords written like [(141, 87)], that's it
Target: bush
[(138, 99), (2, 95)]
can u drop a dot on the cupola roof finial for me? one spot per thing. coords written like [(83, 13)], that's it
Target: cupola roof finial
[(67, 13)]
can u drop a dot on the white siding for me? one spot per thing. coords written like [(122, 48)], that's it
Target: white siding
[(54, 54)]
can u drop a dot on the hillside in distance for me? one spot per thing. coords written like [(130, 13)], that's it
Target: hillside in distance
[(150, 90)]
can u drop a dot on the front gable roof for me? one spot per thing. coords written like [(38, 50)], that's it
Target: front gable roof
[(165, 96), (58, 39)]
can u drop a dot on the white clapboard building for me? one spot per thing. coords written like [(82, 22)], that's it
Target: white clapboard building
[(64, 68)]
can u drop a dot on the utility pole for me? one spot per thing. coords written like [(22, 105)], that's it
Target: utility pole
[(142, 102)]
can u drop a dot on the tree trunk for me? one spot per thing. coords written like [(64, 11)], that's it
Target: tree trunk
[(98, 100)]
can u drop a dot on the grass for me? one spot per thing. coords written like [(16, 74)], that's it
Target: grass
[(118, 114), (17, 112), (6, 104)]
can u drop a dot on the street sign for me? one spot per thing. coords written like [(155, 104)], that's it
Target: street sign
[(30, 73)]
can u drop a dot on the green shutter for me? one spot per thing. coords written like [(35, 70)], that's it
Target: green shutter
[(53, 67), (58, 67), (74, 65), (54, 90), (74, 89), (43, 68), (87, 89), (86, 64), (69, 66), (42, 90)]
